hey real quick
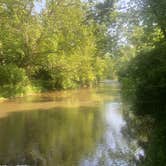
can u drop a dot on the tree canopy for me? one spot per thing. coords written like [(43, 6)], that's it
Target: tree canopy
[(58, 48)]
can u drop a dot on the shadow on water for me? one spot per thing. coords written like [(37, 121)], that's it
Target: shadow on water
[(83, 129), (58, 136), (149, 130)]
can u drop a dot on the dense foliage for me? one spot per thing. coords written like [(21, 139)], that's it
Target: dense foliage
[(144, 78), (56, 47), (73, 43), (13, 80)]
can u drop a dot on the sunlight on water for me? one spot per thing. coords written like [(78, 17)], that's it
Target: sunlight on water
[(114, 149), (65, 99), (67, 128)]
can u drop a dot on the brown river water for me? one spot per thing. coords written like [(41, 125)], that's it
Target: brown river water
[(81, 127)]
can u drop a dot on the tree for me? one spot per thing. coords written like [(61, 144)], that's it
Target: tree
[(56, 47)]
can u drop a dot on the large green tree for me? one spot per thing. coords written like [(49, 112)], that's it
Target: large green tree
[(56, 47)]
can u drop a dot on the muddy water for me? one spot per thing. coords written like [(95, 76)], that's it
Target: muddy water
[(67, 128)]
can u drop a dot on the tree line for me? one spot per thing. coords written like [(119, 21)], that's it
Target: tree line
[(143, 77), (63, 46)]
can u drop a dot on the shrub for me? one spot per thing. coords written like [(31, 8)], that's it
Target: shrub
[(144, 80), (13, 80)]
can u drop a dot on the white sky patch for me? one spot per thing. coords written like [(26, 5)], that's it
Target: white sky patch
[(39, 6), (122, 5)]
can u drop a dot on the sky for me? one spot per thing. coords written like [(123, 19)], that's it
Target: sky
[(39, 5)]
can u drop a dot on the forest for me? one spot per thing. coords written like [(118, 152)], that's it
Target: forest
[(68, 44), (62, 46)]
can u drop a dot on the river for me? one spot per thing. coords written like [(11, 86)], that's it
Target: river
[(66, 128)]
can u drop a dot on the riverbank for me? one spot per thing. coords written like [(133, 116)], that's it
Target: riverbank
[(64, 121), (2, 99), (27, 91), (73, 98), (36, 89)]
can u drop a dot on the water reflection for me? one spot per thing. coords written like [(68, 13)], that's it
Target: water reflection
[(60, 136), (114, 150), (69, 128), (64, 99)]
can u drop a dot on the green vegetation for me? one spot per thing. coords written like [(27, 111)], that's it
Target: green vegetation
[(56, 48), (13, 80), (72, 43), (144, 79)]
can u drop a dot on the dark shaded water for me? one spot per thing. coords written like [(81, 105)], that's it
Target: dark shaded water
[(68, 128)]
